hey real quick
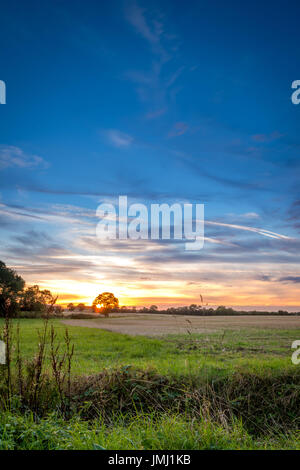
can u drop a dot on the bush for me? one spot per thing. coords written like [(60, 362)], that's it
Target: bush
[(83, 316)]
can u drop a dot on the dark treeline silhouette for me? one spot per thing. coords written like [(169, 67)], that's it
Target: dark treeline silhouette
[(198, 310)]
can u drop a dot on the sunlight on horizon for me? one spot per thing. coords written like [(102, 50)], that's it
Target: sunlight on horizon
[(168, 294)]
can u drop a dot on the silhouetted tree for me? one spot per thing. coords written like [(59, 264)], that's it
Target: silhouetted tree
[(144, 310), (33, 299), (193, 307), (11, 286), (105, 303), (153, 308)]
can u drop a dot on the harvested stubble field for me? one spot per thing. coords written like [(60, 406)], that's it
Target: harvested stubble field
[(157, 325)]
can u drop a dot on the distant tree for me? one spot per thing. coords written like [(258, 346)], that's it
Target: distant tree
[(71, 307), (221, 310), (144, 310), (171, 310), (193, 307), (33, 299), (30, 300), (105, 303), (58, 309), (153, 308), (81, 307), (11, 286)]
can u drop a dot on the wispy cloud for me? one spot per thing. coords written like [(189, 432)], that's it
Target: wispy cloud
[(151, 29), (154, 86), (293, 279), (155, 114), (11, 156), (250, 215), (262, 138), (246, 215), (178, 129), (117, 138)]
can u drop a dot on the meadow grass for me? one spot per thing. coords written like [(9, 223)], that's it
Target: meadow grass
[(206, 355), (167, 432)]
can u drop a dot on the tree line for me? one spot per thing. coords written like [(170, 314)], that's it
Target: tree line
[(15, 297)]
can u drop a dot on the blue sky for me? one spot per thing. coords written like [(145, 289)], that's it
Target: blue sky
[(163, 102)]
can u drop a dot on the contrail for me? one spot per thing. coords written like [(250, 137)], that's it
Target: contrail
[(265, 233)]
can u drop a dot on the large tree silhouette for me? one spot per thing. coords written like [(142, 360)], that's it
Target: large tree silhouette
[(11, 286), (105, 302)]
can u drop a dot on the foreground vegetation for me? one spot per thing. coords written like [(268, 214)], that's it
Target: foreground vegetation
[(169, 432), (234, 389)]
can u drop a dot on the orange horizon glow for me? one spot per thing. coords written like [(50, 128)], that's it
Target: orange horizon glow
[(177, 299), (240, 292)]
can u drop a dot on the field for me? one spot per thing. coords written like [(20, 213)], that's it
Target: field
[(200, 362), (158, 325)]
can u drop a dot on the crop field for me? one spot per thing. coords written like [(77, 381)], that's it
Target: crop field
[(158, 325), (169, 391)]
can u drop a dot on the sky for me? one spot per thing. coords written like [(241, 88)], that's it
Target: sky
[(164, 102)]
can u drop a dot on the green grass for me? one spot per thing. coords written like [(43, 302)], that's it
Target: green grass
[(207, 354), (142, 432)]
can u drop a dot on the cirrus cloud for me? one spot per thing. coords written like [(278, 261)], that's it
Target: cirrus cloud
[(11, 156), (117, 138)]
